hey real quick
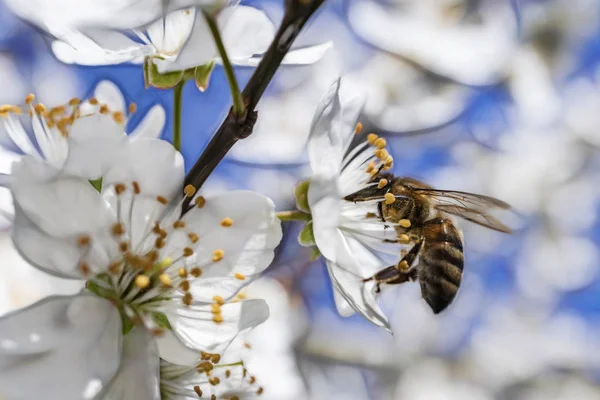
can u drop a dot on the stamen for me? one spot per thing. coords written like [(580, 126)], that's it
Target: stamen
[(118, 229), (218, 318), (118, 117), (382, 154), (403, 238), (84, 268), (371, 138), (188, 252), (124, 247), (380, 143), (215, 308), (359, 128), (189, 191), (227, 374), (83, 241), (120, 188), (142, 281), (182, 272), (187, 299), (404, 223), (193, 237), (93, 101), (218, 300), (40, 108), (260, 391), (218, 255), (74, 102), (165, 280), (136, 187), (29, 99), (185, 286), (103, 109), (226, 222), (389, 198), (239, 276), (132, 108), (198, 391), (370, 167), (162, 200), (200, 201), (196, 272), (403, 265), (178, 224), (382, 183), (159, 243)]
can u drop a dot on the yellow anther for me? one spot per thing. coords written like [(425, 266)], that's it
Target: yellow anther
[(382, 183), (182, 272), (200, 201), (403, 265), (198, 391), (228, 375), (252, 380), (159, 243), (215, 308), (117, 229), (380, 143), (218, 300), (187, 299), (239, 276), (193, 237), (103, 109), (83, 241), (213, 397), (142, 281), (226, 222), (196, 272), (118, 117), (260, 391), (215, 358), (188, 252), (74, 102), (165, 263), (136, 187), (119, 188), (162, 200), (218, 255), (218, 318), (389, 198), (189, 191), (185, 286), (371, 138), (359, 128), (153, 256), (370, 167), (382, 154), (404, 223), (6, 108), (403, 238), (93, 101), (132, 108), (165, 279), (29, 99), (124, 247), (179, 224), (40, 108)]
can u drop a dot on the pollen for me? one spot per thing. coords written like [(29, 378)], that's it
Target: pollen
[(29, 99), (193, 237), (218, 255), (371, 138), (132, 108), (165, 280), (162, 200), (358, 129), (83, 241), (196, 272), (189, 191), (380, 143), (93, 101), (218, 318), (119, 188), (142, 281), (239, 276), (117, 229), (188, 252), (200, 201), (382, 183), (404, 223), (218, 300), (136, 187), (403, 238), (178, 224), (226, 222), (389, 198)]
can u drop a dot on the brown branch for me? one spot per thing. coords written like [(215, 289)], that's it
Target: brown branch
[(297, 13)]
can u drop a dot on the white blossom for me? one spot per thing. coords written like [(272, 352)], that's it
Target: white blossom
[(348, 235)]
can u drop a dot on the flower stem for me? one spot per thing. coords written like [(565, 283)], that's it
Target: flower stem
[(177, 103), (297, 13), (293, 216), (239, 109)]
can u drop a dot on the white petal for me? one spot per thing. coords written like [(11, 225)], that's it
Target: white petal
[(332, 128), (301, 56), (168, 35), (7, 158), (248, 244), (66, 347), (174, 351), (138, 377), (78, 48), (61, 207), (246, 31), (108, 93), (152, 125), (195, 328), (343, 307), (94, 144), (325, 206), (17, 133), (153, 163)]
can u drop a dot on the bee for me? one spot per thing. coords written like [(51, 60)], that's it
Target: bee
[(419, 213)]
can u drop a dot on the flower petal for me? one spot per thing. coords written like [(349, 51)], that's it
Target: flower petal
[(152, 125), (300, 56), (246, 31), (170, 33), (196, 328), (108, 93), (153, 163), (332, 128), (138, 377), (174, 351), (248, 244), (68, 346)]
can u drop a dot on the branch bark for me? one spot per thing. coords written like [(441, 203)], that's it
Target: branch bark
[(297, 13)]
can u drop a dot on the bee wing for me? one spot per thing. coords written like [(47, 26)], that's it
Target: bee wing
[(463, 199), (476, 216)]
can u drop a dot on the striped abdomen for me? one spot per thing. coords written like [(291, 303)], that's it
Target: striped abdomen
[(440, 263)]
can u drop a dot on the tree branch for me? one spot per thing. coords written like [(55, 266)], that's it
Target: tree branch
[(297, 13)]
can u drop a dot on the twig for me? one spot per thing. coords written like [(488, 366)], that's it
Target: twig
[(297, 13), (177, 100)]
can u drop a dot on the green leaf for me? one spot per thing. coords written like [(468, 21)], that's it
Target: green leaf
[(307, 236), (161, 320), (152, 77), (202, 75), (97, 184), (301, 195), (316, 253)]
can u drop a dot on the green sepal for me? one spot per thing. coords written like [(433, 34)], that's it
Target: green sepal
[(307, 236), (161, 320), (301, 195), (202, 74), (99, 290), (127, 323), (316, 253), (153, 78), (97, 184)]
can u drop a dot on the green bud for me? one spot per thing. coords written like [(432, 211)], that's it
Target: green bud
[(202, 74), (301, 195), (307, 236), (153, 78)]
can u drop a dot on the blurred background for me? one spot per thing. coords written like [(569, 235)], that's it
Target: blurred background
[(500, 97)]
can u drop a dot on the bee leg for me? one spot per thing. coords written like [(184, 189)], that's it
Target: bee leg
[(380, 210), (407, 261)]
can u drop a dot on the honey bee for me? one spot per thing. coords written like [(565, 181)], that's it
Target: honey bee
[(419, 213)]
